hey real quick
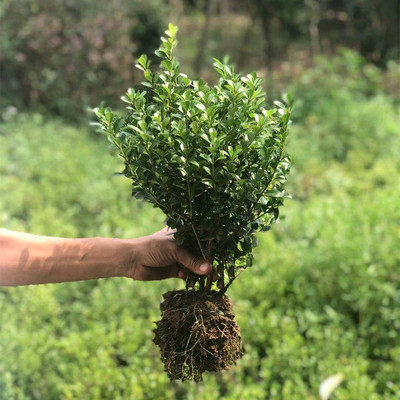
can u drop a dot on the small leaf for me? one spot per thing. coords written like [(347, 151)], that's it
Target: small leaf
[(201, 107), (143, 62), (172, 30), (207, 170)]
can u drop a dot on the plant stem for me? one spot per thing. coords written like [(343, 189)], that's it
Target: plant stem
[(198, 241)]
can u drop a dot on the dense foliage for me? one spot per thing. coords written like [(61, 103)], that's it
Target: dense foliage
[(212, 159), (323, 297)]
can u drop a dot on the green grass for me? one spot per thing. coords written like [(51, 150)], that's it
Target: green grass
[(323, 296)]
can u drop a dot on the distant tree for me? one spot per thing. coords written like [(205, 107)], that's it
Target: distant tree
[(374, 27), (204, 35), (280, 23)]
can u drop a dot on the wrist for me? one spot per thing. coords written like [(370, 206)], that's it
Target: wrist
[(127, 250), (105, 257), (122, 257)]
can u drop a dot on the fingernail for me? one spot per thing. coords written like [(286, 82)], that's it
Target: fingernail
[(204, 267)]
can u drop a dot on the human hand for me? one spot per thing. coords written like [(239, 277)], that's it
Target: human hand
[(157, 256)]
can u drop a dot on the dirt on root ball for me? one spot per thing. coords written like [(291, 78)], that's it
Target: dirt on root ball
[(197, 333)]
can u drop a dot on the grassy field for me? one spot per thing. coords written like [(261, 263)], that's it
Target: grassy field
[(323, 296)]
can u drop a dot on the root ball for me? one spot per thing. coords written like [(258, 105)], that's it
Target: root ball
[(197, 333)]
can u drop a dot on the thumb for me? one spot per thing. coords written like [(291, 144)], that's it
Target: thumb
[(195, 264)]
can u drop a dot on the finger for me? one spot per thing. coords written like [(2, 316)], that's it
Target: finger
[(154, 274), (197, 265), (166, 231)]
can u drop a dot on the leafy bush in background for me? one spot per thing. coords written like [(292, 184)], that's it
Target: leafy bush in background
[(343, 107), (68, 55), (46, 189)]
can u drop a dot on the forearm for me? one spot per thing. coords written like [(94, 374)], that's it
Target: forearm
[(28, 259)]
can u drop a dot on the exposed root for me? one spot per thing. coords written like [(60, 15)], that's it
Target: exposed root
[(197, 333)]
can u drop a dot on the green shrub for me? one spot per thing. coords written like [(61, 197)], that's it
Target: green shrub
[(212, 159)]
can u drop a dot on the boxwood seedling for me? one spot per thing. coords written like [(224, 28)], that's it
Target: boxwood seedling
[(213, 159)]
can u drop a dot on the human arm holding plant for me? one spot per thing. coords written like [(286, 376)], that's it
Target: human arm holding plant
[(27, 259)]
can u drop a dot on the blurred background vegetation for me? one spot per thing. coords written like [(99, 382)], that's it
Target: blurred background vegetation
[(324, 294)]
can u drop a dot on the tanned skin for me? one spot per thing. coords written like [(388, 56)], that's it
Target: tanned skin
[(27, 259)]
